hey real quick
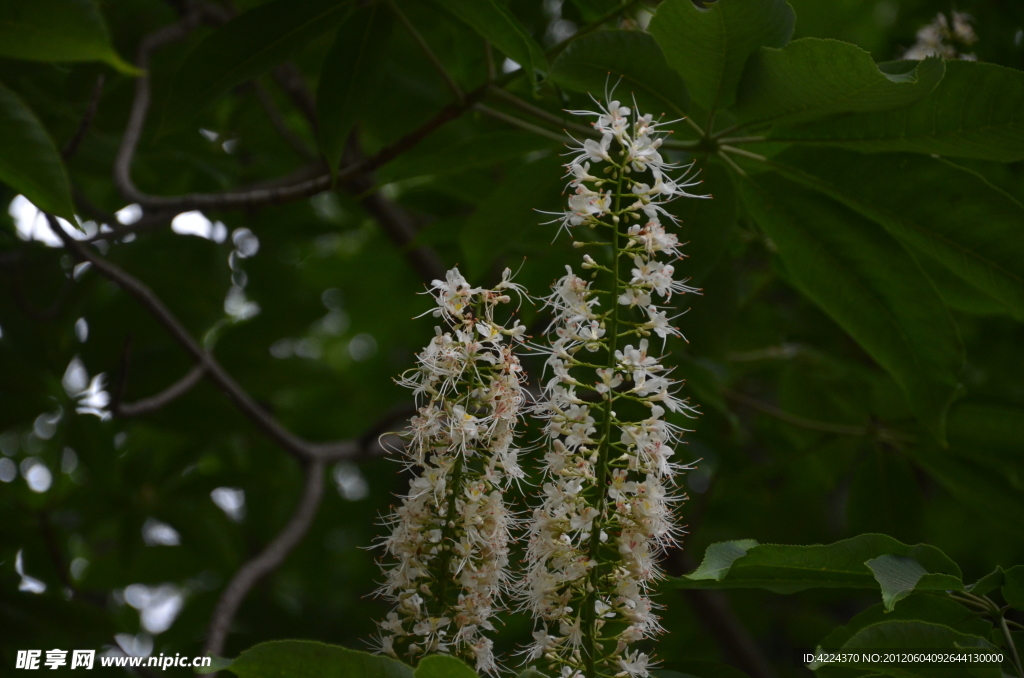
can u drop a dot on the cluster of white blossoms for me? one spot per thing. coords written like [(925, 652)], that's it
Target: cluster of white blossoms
[(449, 539), (944, 38), (609, 476)]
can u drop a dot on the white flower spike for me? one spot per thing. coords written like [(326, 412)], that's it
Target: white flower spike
[(449, 541), (606, 511)]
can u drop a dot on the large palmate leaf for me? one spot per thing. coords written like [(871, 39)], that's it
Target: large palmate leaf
[(976, 111), (868, 561), (928, 203), (812, 78), (309, 659), (709, 47), (245, 47), (29, 163), (57, 30), (493, 20), (349, 75), (628, 60), (870, 285)]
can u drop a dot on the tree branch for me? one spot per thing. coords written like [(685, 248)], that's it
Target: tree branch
[(881, 433), (713, 609), (262, 419), (795, 420), (71, 147), (268, 560), (160, 400)]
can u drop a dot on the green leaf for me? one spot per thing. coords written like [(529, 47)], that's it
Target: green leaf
[(844, 564), (706, 225), (993, 427), (628, 60), (926, 202), (920, 636), (987, 584), (472, 153), (976, 111), (495, 22), (57, 30), (897, 576), (349, 76), (443, 666), (508, 215), (884, 496), (1013, 587), (29, 162), (531, 673), (937, 609), (987, 492), (241, 49), (699, 670), (812, 78), (869, 285), (719, 558), (309, 659), (959, 294), (216, 664), (709, 47)]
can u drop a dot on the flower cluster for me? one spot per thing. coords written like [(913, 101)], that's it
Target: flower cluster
[(606, 511), (450, 535), (944, 38)]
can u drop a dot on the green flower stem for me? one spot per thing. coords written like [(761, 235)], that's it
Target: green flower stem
[(443, 574), (590, 644)]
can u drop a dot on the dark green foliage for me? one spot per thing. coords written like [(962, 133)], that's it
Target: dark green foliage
[(350, 74), (855, 350)]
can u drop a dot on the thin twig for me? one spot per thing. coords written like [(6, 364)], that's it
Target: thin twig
[(743, 152), (537, 112), (782, 415), (449, 81), (714, 611), (731, 163), (71, 147), (268, 560), (277, 120), (522, 124), (883, 434), (290, 442), (162, 399), (289, 78), (1010, 645), (613, 13)]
